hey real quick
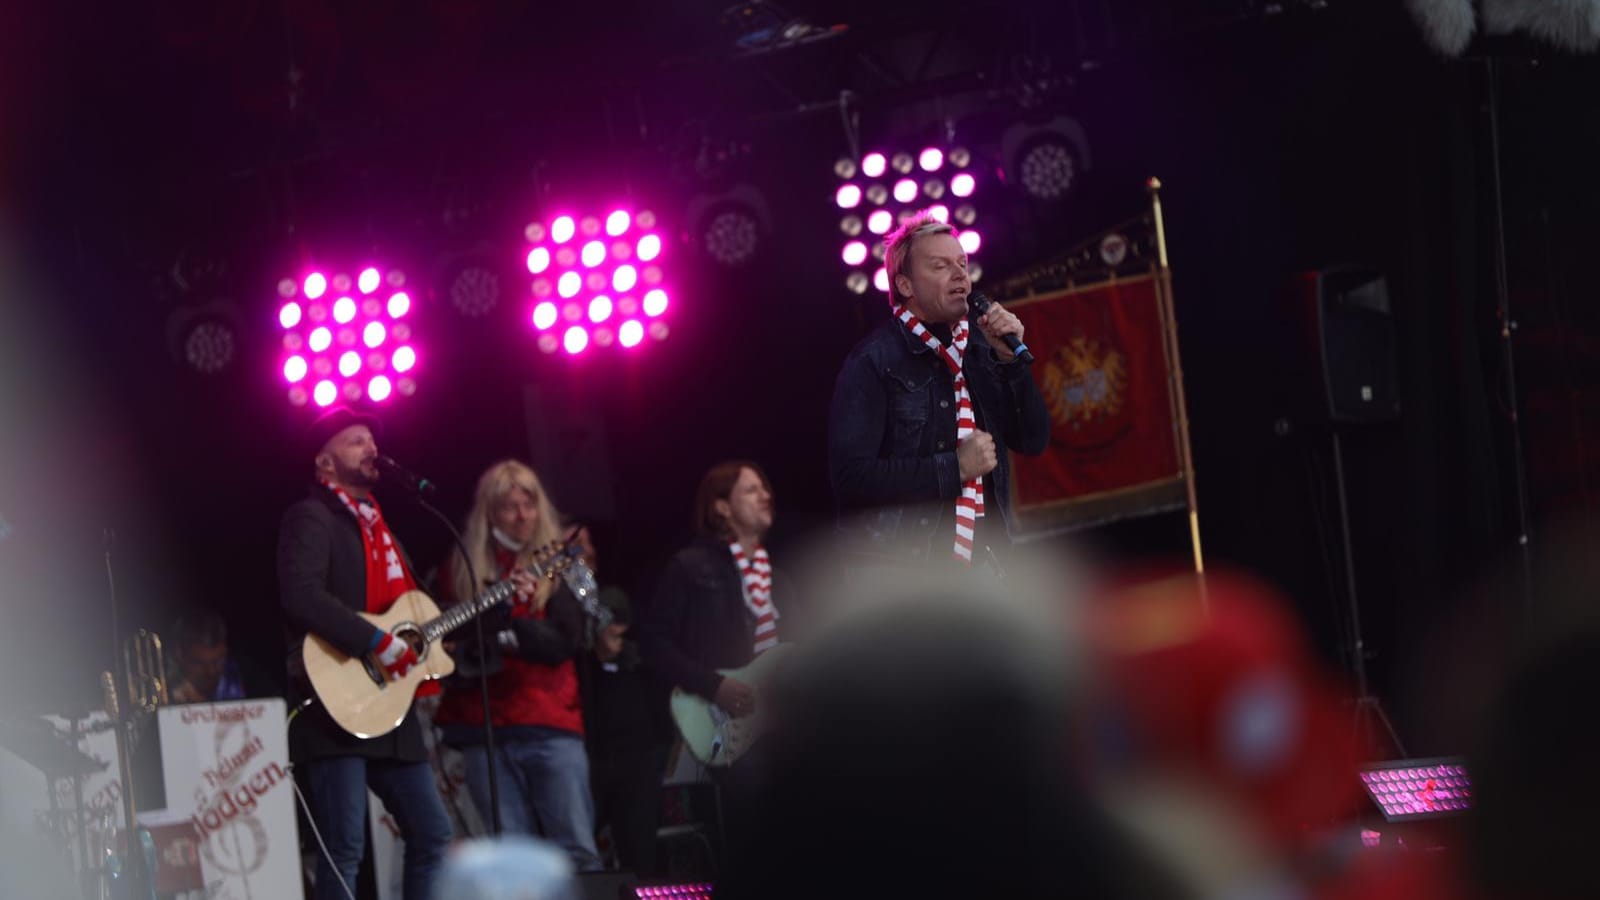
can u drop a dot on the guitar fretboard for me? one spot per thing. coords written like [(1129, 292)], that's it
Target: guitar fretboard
[(462, 613)]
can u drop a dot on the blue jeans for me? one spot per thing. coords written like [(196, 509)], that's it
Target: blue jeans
[(338, 787), (544, 790)]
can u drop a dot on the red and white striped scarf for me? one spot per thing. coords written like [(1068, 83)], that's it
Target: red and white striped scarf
[(387, 575), (756, 573), (969, 506)]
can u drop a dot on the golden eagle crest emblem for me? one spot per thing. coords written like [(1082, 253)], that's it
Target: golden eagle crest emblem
[(1085, 383)]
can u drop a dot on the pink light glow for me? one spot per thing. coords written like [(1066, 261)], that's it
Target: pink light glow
[(589, 226), (655, 303), (399, 305), (572, 312), (316, 286), (289, 315), (575, 340), (962, 185), (349, 363), (562, 229), (538, 260), (321, 338), (570, 284), (294, 369), (368, 280), (880, 280), (379, 387), (930, 159), (594, 253), (940, 212), (618, 222), (905, 190), (404, 359), (325, 393), (374, 334), (873, 164), (544, 315), (624, 279), (848, 196), (566, 256), (880, 221), (599, 309), (344, 310), (631, 333), (970, 241), (649, 247), (855, 253)]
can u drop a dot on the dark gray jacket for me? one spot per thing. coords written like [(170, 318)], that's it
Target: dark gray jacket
[(892, 438), (697, 621), (322, 584)]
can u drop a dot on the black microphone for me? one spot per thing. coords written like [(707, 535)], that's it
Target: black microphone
[(980, 305), (405, 478)]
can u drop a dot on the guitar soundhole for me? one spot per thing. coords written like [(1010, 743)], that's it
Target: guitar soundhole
[(411, 634)]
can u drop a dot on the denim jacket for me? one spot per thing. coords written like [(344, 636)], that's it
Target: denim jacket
[(892, 439)]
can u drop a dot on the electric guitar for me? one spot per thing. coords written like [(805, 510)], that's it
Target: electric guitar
[(713, 737), (354, 689)]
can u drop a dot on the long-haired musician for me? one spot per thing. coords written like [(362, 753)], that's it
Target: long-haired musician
[(541, 768)]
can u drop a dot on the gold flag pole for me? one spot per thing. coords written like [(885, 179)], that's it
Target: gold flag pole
[(1169, 320)]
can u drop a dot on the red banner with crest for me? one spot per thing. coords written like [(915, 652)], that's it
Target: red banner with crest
[(1104, 373)]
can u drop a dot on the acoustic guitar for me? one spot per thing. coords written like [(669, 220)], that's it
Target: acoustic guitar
[(354, 689)]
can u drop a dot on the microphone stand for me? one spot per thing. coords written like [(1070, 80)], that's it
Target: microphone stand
[(483, 671), (135, 876)]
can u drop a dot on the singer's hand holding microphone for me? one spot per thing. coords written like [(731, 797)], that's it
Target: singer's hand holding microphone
[(1002, 328)]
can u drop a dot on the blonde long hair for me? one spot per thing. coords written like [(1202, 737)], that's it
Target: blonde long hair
[(497, 483)]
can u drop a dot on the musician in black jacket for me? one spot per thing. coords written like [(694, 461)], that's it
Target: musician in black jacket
[(337, 557), (717, 605)]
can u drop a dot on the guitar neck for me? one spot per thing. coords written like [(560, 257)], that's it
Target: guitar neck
[(462, 613)]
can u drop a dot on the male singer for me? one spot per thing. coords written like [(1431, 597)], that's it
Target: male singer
[(926, 407), (337, 557)]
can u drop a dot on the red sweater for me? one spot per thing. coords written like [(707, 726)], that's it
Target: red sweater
[(538, 684)]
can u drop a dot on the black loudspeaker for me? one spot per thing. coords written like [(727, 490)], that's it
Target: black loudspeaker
[(1349, 332)]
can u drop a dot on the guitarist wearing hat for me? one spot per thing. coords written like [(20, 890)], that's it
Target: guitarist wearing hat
[(337, 557)]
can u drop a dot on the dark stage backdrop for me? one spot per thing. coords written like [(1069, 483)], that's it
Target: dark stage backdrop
[(1286, 143)]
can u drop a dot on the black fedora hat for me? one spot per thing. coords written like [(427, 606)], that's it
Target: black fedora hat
[(334, 420)]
